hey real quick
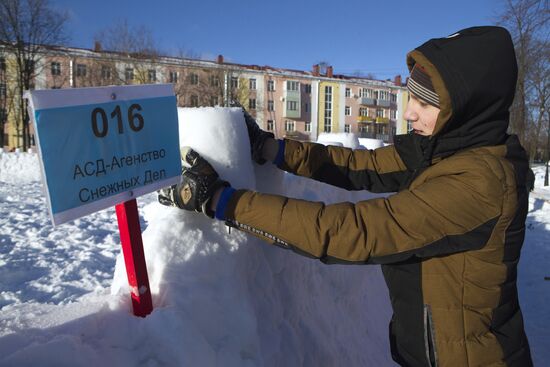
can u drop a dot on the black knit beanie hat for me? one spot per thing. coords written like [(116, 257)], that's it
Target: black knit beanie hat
[(420, 84)]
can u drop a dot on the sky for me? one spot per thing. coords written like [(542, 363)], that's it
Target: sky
[(357, 36)]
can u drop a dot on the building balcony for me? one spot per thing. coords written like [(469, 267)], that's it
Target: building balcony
[(383, 103), (291, 114), (291, 94), (367, 101), (365, 119), (382, 120), (292, 105)]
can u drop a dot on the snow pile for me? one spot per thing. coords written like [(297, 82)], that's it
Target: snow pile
[(219, 298), (218, 134), (371, 143), (19, 167), (348, 140)]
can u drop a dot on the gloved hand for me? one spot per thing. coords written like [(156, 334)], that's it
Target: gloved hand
[(198, 184), (256, 135)]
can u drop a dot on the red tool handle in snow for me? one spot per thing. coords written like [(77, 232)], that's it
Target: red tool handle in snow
[(134, 258)]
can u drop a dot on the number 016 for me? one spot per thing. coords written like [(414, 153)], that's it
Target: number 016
[(100, 122)]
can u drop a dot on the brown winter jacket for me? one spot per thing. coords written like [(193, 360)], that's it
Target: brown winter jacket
[(449, 239)]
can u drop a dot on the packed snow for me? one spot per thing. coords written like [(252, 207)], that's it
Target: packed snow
[(220, 298)]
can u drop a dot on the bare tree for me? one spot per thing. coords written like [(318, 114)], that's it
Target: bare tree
[(196, 86), (25, 26), (527, 21), (132, 47), (538, 86), (3, 96)]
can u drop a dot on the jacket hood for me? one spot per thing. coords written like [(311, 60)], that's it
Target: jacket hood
[(474, 72)]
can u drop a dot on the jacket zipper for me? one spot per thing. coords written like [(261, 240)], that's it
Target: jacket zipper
[(429, 337)]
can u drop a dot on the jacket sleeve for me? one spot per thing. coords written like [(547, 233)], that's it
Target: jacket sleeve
[(380, 170), (443, 215)]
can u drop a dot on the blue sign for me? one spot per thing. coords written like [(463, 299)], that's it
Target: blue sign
[(95, 155)]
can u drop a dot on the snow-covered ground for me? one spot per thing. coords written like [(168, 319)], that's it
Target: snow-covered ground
[(220, 298)]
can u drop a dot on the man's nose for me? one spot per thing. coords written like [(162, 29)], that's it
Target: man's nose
[(410, 115)]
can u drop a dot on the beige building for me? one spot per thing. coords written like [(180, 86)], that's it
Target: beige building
[(291, 103)]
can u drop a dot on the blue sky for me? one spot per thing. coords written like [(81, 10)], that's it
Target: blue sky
[(353, 36)]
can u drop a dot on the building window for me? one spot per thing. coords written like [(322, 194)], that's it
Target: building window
[(348, 92), (194, 100), (3, 90), (346, 128), (193, 79), (270, 106), (369, 128), (129, 74), (383, 95), (393, 114), (306, 107), (308, 88), (290, 125), (292, 105), (363, 112), (367, 93), (252, 103), (269, 126), (105, 72), (56, 68), (348, 111), (214, 101), (307, 127), (2, 63), (3, 115), (293, 86), (252, 84), (234, 82), (393, 97), (380, 112), (409, 125), (214, 81), (81, 70), (152, 75), (173, 77), (327, 128), (270, 86)]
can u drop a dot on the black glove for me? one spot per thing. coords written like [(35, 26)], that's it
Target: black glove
[(198, 184), (256, 135)]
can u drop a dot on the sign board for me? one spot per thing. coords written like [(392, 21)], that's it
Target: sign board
[(103, 146)]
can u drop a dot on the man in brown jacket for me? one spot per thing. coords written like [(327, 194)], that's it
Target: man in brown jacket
[(449, 239)]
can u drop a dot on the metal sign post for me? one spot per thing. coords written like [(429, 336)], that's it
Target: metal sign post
[(134, 259)]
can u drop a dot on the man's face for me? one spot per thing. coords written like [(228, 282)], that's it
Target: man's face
[(422, 115)]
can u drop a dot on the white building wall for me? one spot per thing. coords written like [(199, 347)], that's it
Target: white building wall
[(342, 111), (314, 109), (261, 103), (401, 123)]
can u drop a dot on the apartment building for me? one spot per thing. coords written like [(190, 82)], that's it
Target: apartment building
[(291, 103)]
